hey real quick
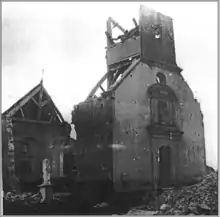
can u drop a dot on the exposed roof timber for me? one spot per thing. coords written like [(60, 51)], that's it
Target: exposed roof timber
[(103, 90), (59, 117), (125, 74), (100, 82), (40, 100), (22, 112), (122, 63), (20, 103), (35, 101), (30, 121), (52, 116), (135, 22), (56, 109), (29, 96), (45, 102), (115, 24)]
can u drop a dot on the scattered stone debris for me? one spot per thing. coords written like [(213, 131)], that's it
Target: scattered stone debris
[(141, 212), (27, 198), (197, 199)]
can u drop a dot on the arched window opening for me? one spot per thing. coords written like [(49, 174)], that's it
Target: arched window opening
[(161, 78), (162, 105)]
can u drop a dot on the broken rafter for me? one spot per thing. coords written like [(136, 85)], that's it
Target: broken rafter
[(13, 109), (123, 63), (110, 39), (135, 22), (22, 113), (58, 113), (55, 108), (103, 90), (125, 74), (109, 33), (117, 74), (115, 24), (100, 82)]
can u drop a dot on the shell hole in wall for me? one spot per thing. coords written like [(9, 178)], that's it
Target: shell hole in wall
[(157, 31), (157, 36)]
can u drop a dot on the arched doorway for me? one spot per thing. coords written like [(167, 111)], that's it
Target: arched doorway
[(164, 166)]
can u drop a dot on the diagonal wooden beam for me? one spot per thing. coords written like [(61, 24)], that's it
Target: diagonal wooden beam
[(35, 101), (100, 82), (22, 113), (103, 90), (21, 103), (45, 102), (115, 24), (135, 22), (52, 116), (54, 106), (114, 86), (40, 101)]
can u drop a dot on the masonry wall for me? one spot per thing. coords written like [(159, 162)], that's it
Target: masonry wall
[(132, 163), (44, 141)]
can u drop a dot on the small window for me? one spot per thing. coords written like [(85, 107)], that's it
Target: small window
[(161, 78), (25, 148)]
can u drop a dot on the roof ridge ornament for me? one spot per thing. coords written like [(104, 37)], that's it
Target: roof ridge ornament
[(42, 76)]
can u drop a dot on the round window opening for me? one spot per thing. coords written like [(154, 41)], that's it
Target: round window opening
[(161, 78)]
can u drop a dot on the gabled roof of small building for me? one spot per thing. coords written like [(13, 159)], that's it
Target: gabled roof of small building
[(36, 104)]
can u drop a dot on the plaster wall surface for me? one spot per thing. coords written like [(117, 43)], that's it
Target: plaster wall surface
[(39, 138), (132, 116)]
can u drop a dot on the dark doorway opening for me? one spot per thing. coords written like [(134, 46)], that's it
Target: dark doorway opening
[(164, 166)]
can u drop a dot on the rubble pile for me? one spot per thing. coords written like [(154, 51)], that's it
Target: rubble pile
[(27, 198), (198, 199)]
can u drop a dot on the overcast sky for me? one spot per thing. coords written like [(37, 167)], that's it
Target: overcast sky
[(67, 40)]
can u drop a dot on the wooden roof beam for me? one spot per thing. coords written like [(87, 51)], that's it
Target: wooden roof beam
[(40, 101), (100, 82)]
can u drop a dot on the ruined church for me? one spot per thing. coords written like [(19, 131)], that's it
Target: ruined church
[(146, 129)]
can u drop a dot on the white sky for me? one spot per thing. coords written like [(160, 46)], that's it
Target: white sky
[(67, 40)]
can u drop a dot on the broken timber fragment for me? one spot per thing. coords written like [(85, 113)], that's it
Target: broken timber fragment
[(115, 24), (135, 22), (97, 86)]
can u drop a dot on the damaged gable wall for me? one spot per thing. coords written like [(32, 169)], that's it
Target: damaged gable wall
[(43, 141), (132, 115), (38, 131)]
